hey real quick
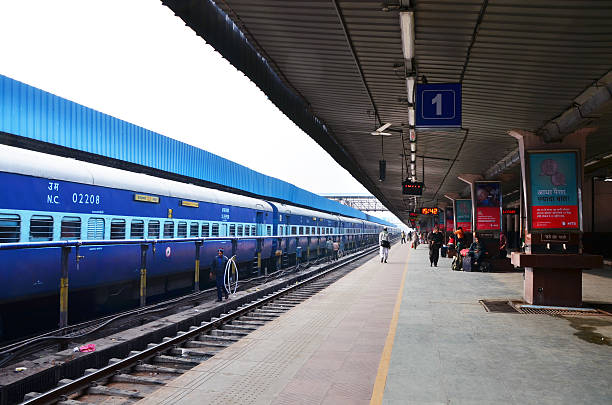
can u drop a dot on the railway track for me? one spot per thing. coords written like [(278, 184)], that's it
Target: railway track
[(127, 380)]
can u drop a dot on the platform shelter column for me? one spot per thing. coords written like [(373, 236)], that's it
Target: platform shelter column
[(552, 178)]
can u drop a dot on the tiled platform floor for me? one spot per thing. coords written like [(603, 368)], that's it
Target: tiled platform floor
[(324, 351), (447, 349)]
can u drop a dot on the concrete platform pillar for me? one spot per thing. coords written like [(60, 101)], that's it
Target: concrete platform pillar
[(552, 178)]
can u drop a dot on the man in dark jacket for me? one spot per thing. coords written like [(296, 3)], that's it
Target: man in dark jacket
[(435, 242), (217, 267), (477, 250)]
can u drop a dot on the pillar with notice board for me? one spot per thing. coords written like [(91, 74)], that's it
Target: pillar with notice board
[(552, 176)]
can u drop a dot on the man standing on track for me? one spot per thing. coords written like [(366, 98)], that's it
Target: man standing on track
[(383, 241), (217, 267)]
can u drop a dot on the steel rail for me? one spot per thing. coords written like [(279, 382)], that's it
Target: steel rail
[(82, 383)]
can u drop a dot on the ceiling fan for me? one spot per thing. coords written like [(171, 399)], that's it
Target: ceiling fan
[(381, 131)]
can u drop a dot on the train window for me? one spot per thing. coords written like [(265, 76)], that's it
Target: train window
[(194, 230), (71, 228), (239, 230), (95, 228), (169, 229), (215, 230), (41, 228), (232, 230), (9, 228), (253, 230), (313, 230), (137, 229), (247, 230), (117, 230), (269, 228), (205, 229), (182, 230), (153, 230), (307, 230), (293, 230), (280, 230), (301, 231)]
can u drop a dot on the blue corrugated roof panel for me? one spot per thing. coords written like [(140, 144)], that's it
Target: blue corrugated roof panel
[(36, 114)]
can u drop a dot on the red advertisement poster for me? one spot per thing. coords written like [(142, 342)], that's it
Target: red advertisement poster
[(466, 226), (554, 217), (487, 218), (488, 205), (449, 220)]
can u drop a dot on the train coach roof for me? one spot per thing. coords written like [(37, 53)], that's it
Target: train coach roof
[(36, 164), (286, 209), (84, 131)]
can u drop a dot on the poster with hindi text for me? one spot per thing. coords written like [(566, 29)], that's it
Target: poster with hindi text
[(553, 190)]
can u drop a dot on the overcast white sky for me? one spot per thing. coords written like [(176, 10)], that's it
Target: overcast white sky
[(133, 59)]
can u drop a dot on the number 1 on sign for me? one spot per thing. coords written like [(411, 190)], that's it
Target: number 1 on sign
[(437, 100)]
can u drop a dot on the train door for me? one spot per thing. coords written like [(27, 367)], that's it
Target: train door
[(260, 226)]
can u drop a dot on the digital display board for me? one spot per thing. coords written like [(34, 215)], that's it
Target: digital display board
[(412, 187), (553, 189), (429, 211)]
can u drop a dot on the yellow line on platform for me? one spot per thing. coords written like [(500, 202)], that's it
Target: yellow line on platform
[(385, 359)]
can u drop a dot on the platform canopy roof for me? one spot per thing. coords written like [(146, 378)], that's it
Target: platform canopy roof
[(337, 69)]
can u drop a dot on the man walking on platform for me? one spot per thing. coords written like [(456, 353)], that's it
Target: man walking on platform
[(403, 237), (435, 241), (383, 241), (217, 267)]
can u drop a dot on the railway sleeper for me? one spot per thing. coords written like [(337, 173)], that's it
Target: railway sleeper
[(280, 307), (72, 402), (115, 392), (253, 317), (127, 378), (223, 332), (133, 379), (165, 359), (247, 323), (195, 344), (269, 311), (190, 352), (150, 368), (239, 327), (217, 339)]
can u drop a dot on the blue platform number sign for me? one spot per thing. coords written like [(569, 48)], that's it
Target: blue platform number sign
[(438, 105)]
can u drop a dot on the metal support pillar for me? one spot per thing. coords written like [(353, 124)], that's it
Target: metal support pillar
[(143, 274), (196, 284), (63, 319), (259, 257)]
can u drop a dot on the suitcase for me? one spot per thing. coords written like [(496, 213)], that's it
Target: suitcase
[(467, 263), (443, 251)]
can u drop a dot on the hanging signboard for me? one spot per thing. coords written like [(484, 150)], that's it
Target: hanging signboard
[(441, 224), (450, 223), (464, 214), (487, 196), (553, 189), (438, 105)]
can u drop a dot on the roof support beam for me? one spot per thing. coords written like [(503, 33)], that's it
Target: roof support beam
[(357, 64)]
